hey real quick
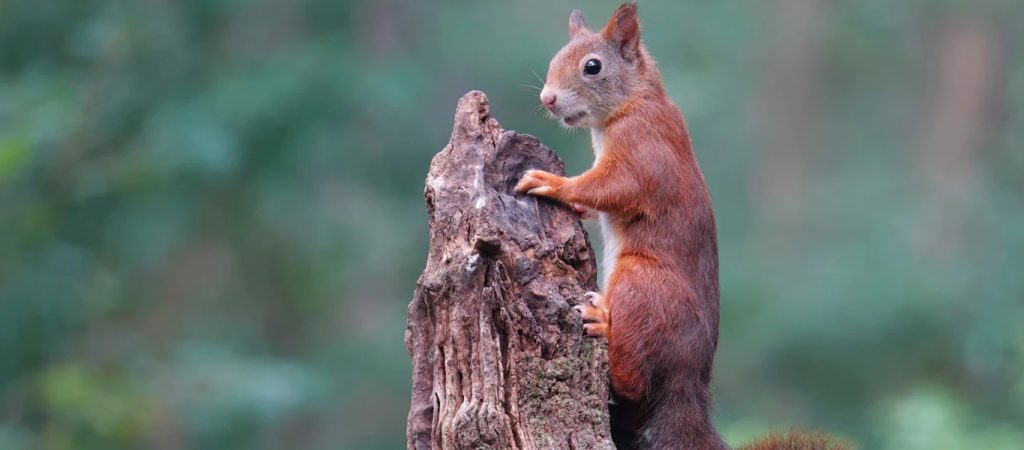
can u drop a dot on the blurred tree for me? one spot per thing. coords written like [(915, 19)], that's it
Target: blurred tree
[(211, 215)]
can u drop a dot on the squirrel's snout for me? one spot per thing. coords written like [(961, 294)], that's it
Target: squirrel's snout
[(548, 98)]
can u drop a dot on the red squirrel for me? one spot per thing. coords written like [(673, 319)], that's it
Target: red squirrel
[(659, 306)]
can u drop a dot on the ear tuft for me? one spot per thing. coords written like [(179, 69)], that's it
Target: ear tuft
[(623, 30), (576, 23)]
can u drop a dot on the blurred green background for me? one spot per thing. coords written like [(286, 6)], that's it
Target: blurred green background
[(211, 213)]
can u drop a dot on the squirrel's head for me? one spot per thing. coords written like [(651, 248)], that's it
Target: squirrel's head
[(595, 72)]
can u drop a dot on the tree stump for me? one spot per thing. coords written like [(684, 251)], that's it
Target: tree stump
[(499, 357)]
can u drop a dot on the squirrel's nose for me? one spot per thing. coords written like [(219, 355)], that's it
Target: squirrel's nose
[(548, 99)]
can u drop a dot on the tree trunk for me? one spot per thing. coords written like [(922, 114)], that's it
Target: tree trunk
[(498, 355), (788, 111), (956, 116)]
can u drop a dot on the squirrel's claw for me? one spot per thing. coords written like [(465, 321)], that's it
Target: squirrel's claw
[(542, 191), (530, 180), (539, 182), (594, 313), (596, 329)]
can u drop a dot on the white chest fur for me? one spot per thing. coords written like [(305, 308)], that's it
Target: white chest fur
[(608, 238), (597, 140), (611, 248)]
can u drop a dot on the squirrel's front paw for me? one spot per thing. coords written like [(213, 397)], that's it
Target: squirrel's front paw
[(595, 314), (539, 182)]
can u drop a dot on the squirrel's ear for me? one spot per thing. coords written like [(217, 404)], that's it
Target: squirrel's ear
[(576, 23), (623, 30)]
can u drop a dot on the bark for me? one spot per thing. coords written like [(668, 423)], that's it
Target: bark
[(498, 355)]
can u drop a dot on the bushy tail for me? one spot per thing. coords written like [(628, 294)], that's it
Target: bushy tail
[(797, 440)]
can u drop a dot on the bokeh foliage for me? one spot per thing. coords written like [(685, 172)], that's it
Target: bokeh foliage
[(211, 217)]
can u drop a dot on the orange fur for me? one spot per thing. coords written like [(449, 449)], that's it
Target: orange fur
[(662, 295), (797, 441)]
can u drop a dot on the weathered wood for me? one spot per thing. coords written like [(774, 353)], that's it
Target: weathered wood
[(498, 355)]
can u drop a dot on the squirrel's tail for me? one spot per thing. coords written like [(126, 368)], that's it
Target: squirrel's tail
[(797, 440)]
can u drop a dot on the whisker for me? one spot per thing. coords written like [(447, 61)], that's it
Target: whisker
[(537, 76)]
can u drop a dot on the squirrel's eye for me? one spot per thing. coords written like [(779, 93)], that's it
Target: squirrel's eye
[(592, 67)]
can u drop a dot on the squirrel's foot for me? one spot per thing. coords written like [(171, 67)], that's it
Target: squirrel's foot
[(595, 314)]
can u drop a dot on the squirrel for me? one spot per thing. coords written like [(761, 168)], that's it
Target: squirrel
[(659, 309)]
